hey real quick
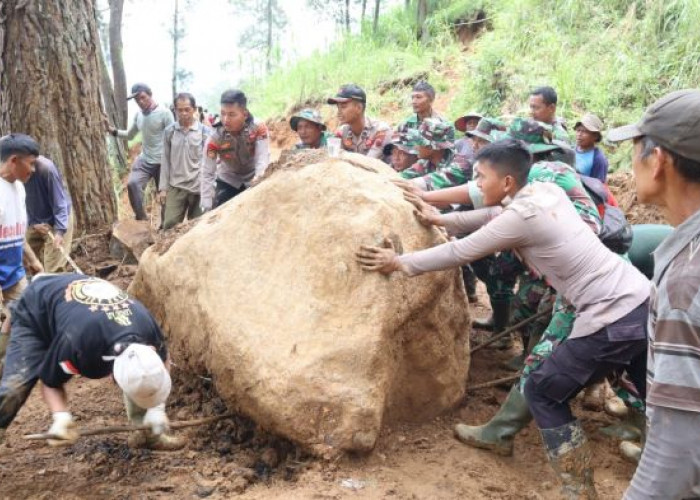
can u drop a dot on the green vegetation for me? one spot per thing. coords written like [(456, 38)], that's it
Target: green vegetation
[(611, 57)]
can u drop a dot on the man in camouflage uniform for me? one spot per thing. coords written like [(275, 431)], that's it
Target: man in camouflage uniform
[(236, 152), (402, 152), (433, 140), (543, 108), (422, 99), (308, 124), (359, 133)]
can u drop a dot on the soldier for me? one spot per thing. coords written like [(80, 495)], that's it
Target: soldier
[(70, 324), (543, 108), (609, 333), (433, 141), (183, 147), (359, 133), (308, 123), (466, 124), (403, 152), (237, 151), (422, 99), (151, 120)]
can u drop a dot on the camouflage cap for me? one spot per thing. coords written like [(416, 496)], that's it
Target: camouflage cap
[(537, 135), (434, 133), (402, 142), (308, 114), (486, 127)]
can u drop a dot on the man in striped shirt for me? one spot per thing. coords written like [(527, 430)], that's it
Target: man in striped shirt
[(666, 163)]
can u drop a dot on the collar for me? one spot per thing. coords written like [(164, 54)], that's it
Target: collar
[(688, 233), (196, 125)]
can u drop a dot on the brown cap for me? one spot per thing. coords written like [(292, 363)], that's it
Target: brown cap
[(673, 121), (591, 123)]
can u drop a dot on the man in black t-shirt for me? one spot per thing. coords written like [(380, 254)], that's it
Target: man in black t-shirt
[(71, 324)]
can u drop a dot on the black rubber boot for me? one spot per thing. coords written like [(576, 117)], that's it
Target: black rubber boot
[(498, 433), (571, 457)]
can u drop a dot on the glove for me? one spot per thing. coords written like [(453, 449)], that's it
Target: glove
[(64, 429), (205, 207), (157, 419)]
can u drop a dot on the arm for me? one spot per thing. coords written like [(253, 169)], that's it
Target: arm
[(600, 166), (262, 154), (505, 231), (59, 202), (452, 195), (470, 221), (382, 138), (454, 175), (208, 174), (164, 183)]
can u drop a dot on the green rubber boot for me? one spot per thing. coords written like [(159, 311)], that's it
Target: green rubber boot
[(571, 457), (497, 435)]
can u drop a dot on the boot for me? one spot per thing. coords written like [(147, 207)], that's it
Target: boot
[(570, 456), (498, 433)]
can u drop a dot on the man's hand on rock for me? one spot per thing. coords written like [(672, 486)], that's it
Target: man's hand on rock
[(426, 214), (408, 186), (379, 259)]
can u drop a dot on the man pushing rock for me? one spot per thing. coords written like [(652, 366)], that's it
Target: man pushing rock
[(71, 324)]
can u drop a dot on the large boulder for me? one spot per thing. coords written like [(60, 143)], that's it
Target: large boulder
[(265, 295)]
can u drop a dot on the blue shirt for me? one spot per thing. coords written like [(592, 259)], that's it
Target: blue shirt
[(584, 162), (47, 201)]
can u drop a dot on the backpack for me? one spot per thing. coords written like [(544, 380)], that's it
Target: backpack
[(616, 233)]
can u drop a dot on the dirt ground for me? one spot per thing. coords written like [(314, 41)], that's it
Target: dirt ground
[(235, 458)]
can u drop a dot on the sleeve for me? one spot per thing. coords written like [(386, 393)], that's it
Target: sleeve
[(168, 118), (504, 232), (414, 171), (208, 173), (131, 133), (475, 195), (164, 183), (468, 221), (454, 175), (59, 201), (262, 149), (58, 366), (600, 166), (381, 139)]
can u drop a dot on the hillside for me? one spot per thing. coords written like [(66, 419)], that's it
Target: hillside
[(610, 57)]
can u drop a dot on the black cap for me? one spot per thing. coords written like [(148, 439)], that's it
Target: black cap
[(139, 87), (349, 92)]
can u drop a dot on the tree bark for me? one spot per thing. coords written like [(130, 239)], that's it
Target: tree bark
[(116, 10), (421, 16), (50, 89), (376, 16), (347, 16), (176, 39), (110, 105), (268, 55)]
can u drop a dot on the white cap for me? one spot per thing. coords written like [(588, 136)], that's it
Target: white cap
[(142, 376)]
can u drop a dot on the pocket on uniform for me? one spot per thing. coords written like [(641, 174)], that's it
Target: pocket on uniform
[(632, 326)]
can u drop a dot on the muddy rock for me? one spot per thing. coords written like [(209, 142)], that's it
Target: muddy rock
[(129, 240), (264, 295)]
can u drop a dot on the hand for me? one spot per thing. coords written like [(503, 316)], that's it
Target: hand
[(382, 260), (408, 186), (157, 419), (64, 429), (162, 195), (57, 240), (205, 206), (35, 267), (42, 228), (426, 214)]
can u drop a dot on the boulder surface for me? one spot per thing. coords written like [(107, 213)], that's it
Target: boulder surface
[(264, 295)]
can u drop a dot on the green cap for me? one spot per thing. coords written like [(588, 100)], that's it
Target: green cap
[(537, 135), (486, 127), (434, 133), (673, 122), (308, 114)]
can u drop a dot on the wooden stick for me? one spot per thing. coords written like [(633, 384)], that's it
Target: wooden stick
[(510, 330), (115, 429), (65, 254), (498, 381)]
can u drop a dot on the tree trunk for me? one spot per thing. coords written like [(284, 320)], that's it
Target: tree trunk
[(268, 55), (50, 89), (116, 9), (421, 16), (111, 108), (362, 16), (376, 16), (347, 16), (176, 39)]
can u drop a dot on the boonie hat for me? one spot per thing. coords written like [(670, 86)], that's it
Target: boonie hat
[(142, 375), (591, 123), (139, 87), (434, 133), (486, 127), (308, 114), (349, 92), (537, 135), (673, 121), (461, 122)]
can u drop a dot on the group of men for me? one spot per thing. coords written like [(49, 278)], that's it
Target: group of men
[(529, 213)]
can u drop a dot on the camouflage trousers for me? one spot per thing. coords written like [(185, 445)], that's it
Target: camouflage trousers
[(533, 296), (557, 332), (499, 273)]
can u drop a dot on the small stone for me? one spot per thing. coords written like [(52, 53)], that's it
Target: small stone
[(204, 491)]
